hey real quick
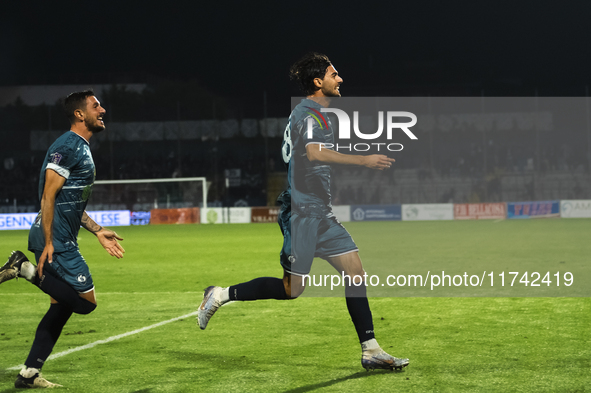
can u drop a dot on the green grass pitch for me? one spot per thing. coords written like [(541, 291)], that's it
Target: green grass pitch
[(477, 342)]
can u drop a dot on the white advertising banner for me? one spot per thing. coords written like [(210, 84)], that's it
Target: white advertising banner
[(239, 215), (213, 215), (425, 212), (17, 220), (342, 213), (575, 208), (111, 218), (226, 215)]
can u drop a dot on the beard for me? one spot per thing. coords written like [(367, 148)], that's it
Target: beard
[(331, 93), (95, 127)]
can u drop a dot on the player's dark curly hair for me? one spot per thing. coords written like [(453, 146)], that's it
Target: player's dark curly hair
[(312, 65), (76, 100)]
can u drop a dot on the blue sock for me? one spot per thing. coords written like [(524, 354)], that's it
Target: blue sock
[(48, 332), (258, 289), (358, 307)]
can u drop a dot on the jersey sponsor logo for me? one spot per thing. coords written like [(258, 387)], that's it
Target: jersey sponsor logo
[(55, 158), (317, 115)]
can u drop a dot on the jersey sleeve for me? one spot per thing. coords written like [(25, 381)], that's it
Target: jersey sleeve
[(62, 159), (312, 131)]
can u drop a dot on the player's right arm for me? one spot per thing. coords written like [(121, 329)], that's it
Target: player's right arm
[(317, 152), (106, 237), (53, 184)]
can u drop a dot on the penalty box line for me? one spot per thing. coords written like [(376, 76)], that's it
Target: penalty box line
[(107, 340)]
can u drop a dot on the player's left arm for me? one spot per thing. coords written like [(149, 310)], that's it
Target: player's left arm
[(317, 152), (107, 238)]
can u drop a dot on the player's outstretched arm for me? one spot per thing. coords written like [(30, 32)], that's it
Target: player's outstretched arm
[(317, 152), (106, 237)]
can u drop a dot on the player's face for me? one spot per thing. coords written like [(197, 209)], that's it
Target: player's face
[(331, 83), (94, 115)]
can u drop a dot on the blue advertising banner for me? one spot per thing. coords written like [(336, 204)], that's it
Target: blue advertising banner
[(376, 212), (542, 209), (140, 218)]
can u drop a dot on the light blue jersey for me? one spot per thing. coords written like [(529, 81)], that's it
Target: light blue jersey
[(309, 227), (70, 157), (308, 182)]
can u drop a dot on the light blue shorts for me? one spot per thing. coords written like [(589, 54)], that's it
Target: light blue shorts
[(69, 266), (306, 237)]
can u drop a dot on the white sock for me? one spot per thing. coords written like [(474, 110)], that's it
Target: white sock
[(225, 295), (28, 271), (370, 345), (28, 372)]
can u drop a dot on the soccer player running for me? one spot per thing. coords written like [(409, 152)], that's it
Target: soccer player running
[(308, 225), (65, 184)]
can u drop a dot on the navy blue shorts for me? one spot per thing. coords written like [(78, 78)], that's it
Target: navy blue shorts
[(70, 266), (306, 237)]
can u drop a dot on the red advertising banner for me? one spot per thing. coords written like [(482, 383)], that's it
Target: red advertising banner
[(189, 215), (480, 211), (264, 214)]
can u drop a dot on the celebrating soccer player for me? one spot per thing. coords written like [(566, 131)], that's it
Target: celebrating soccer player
[(308, 225), (65, 184)]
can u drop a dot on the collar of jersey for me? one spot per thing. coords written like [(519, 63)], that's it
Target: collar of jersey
[(312, 102), (83, 138)]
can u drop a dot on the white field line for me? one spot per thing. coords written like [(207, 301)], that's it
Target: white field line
[(107, 340), (99, 294)]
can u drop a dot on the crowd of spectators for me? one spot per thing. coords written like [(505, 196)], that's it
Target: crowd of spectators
[(211, 159)]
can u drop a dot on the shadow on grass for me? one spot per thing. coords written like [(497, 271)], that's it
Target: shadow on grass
[(357, 375), (220, 362)]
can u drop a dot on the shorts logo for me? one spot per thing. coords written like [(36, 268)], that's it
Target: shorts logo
[(55, 158), (291, 259), (81, 278)]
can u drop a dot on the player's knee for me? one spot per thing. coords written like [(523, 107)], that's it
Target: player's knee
[(84, 307), (357, 275), (293, 291), (294, 294), (293, 284)]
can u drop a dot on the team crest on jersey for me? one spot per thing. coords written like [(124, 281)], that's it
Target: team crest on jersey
[(55, 158)]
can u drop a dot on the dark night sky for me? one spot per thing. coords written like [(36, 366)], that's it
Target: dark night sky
[(240, 49)]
